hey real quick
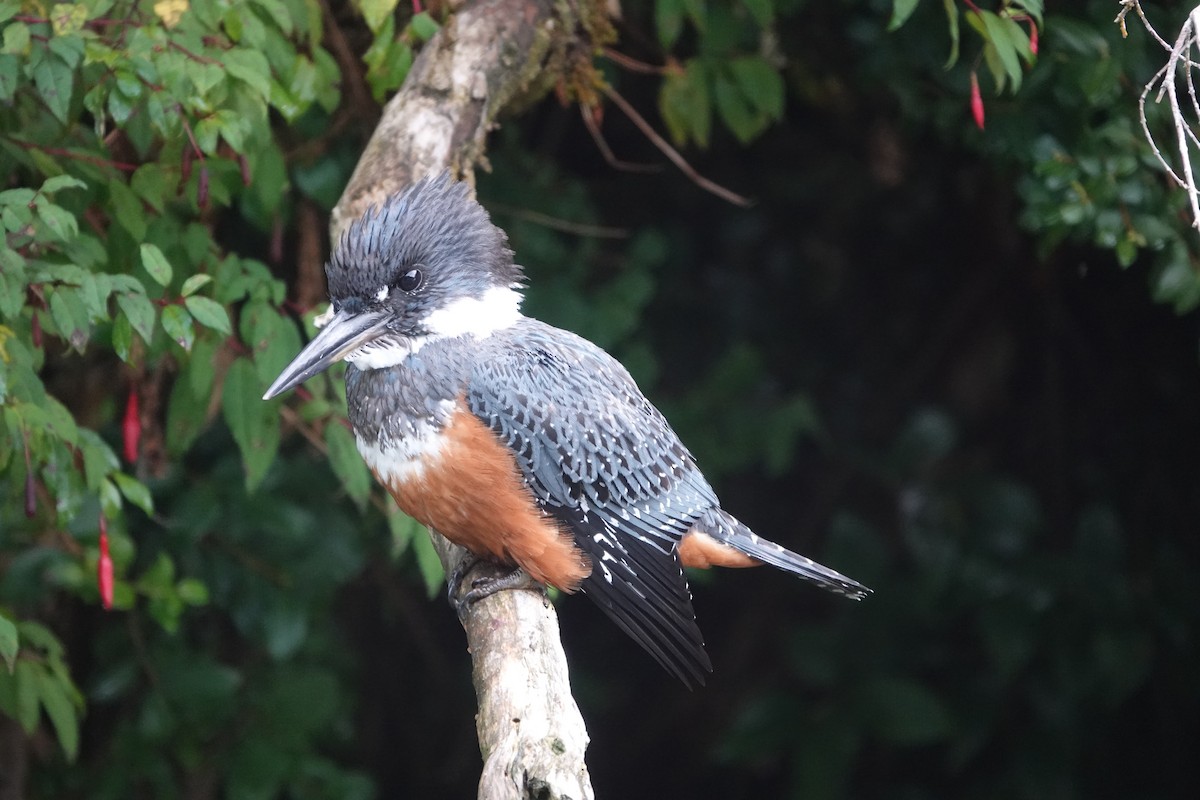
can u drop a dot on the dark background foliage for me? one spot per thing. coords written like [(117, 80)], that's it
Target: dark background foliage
[(924, 356)]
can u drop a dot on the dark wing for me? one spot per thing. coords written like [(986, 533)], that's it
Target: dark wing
[(600, 458)]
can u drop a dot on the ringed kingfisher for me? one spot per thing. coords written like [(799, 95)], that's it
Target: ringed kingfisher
[(523, 443)]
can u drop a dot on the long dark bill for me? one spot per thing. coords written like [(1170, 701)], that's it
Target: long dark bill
[(341, 336)]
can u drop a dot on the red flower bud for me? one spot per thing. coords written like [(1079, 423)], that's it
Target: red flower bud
[(131, 426), (976, 101), (104, 567), (1033, 37)]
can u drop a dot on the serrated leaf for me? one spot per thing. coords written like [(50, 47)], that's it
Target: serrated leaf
[(177, 323), (736, 112), (151, 184), (186, 415), (56, 699), (424, 26), (9, 76), (194, 284), (684, 104), (376, 12), (70, 316), (8, 642), (127, 209), (668, 21), (156, 263), (16, 39), (54, 81), (60, 222), (347, 464), (253, 423), (761, 84), (209, 312), (250, 67), (138, 309)]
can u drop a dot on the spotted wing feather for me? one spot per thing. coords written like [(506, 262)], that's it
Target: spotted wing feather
[(599, 457)]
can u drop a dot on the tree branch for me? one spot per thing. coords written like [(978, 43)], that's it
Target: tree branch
[(489, 55)]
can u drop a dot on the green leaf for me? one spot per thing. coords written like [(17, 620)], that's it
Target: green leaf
[(16, 39), (55, 81), (424, 26), (156, 263), (250, 67), (10, 77), (134, 491), (901, 11), (253, 422), (735, 111), (951, 9), (139, 312), (26, 691), (56, 699), (8, 642), (177, 322), (59, 182), (1001, 38), (186, 412), (684, 104), (761, 84), (70, 316), (127, 209), (668, 21), (60, 222), (150, 182), (194, 284), (208, 312), (376, 12), (347, 464)]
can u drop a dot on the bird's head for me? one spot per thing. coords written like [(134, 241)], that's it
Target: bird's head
[(427, 264)]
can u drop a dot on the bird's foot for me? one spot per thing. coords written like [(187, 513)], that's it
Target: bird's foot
[(485, 586)]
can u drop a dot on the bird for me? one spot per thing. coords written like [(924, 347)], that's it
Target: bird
[(526, 444)]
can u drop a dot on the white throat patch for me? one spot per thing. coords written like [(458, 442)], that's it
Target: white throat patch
[(498, 308)]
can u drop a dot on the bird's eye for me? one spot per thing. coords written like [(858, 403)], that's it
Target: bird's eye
[(410, 281)]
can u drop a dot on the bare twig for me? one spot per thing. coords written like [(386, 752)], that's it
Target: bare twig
[(670, 152), (1166, 81), (589, 122), (563, 225)]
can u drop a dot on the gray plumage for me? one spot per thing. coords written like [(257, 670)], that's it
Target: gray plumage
[(592, 450)]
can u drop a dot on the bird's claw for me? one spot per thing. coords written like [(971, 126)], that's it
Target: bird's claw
[(485, 586)]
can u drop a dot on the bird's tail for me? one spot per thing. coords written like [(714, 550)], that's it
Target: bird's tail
[(726, 529)]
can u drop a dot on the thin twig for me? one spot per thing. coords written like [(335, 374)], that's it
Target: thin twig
[(635, 65), (589, 122), (564, 225), (670, 152)]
